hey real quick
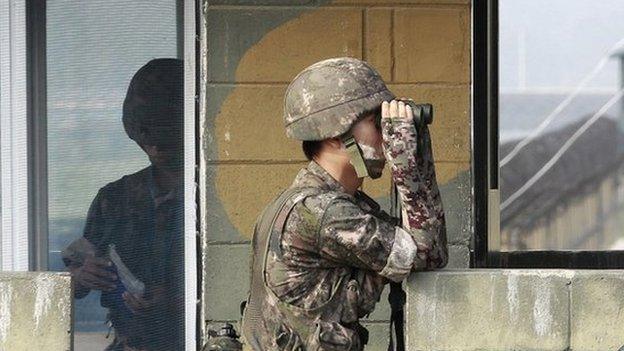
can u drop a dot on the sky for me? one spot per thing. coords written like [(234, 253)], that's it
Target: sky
[(555, 43)]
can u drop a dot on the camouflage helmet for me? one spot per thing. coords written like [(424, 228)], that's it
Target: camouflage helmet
[(328, 97)]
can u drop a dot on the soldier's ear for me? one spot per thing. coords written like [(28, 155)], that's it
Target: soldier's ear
[(334, 143)]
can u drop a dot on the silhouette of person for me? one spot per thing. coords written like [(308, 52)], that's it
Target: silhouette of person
[(138, 219)]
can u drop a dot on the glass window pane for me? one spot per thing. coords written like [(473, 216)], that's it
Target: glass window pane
[(107, 199), (561, 124)]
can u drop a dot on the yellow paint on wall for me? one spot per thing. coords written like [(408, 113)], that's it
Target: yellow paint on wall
[(249, 126), (311, 37)]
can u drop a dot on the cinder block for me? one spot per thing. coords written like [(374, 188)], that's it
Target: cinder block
[(236, 194), (382, 309), (226, 281), (596, 305), (378, 44), (248, 125), (273, 45), (450, 130), (487, 310), (35, 311), (378, 336), (457, 201), (432, 45), (459, 257), (215, 97)]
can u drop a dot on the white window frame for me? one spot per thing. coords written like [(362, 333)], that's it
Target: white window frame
[(191, 231), (14, 249)]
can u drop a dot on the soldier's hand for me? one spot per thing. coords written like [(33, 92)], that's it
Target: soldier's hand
[(94, 274), (399, 134)]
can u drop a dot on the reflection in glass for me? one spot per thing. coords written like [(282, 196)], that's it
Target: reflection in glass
[(114, 156), (561, 125), (132, 247)]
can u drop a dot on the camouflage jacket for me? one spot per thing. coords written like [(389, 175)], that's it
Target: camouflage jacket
[(335, 254)]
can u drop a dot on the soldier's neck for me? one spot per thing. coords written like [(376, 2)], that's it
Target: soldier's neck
[(341, 171)]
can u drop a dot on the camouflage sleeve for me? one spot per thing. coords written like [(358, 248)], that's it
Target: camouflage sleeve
[(349, 235), (413, 173)]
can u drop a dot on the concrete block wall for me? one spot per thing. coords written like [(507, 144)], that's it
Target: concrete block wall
[(253, 50), (35, 311), (469, 310)]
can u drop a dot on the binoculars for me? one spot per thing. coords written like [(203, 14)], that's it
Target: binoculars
[(423, 113)]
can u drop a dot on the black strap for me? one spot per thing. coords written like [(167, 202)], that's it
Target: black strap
[(397, 301), (397, 295)]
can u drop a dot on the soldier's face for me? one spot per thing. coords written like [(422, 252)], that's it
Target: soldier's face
[(367, 133)]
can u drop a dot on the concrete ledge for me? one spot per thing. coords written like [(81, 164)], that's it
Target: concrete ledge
[(515, 310), (35, 311), (596, 306)]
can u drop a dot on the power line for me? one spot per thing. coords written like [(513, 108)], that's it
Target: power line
[(519, 146), (562, 150)]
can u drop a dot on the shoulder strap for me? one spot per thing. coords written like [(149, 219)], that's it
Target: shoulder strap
[(271, 235), (275, 214)]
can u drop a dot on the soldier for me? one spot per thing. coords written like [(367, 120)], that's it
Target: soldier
[(323, 250)]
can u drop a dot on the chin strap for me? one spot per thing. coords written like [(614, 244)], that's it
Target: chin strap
[(355, 154)]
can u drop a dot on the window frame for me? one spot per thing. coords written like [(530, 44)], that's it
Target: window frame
[(14, 255), (37, 135), (189, 12), (486, 252)]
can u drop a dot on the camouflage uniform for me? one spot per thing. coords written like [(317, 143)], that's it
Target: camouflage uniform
[(322, 256)]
